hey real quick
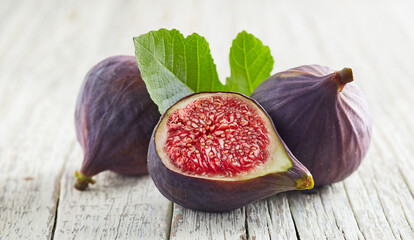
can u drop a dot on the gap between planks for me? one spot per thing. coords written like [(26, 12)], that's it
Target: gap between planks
[(58, 188)]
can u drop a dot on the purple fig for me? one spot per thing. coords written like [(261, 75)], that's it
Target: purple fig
[(322, 116), (218, 151), (114, 119)]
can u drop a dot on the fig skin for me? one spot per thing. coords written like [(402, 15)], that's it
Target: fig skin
[(322, 116), (215, 195), (114, 119)]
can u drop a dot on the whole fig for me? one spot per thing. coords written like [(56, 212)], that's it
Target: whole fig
[(218, 151), (322, 116), (114, 119)]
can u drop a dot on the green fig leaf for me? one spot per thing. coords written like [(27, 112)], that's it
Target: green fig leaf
[(250, 63), (161, 60), (201, 70), (173, 67)]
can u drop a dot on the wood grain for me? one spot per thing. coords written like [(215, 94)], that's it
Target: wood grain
[(190, 224), (35, 135), (46, 48), (116, 207)]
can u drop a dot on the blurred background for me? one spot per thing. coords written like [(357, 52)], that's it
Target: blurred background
[(63, 39)]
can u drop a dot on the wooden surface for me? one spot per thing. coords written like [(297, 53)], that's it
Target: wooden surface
[(46, 48)]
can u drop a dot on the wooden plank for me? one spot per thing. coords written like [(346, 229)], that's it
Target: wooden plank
[(367, 209), (258, 220), (393, 165), (190, 224), (35, 135), (279, 220), (30, 175), (393, 193), (28, 191), (116, 207), (313, 219), (333, 207)]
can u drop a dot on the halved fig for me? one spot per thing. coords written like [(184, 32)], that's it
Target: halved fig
[(218, 151)]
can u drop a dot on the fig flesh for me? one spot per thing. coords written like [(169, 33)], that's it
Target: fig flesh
[(218, 151), (322, 116), (114, 120)]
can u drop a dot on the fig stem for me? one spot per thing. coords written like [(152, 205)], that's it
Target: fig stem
[(82, 181), (343, 77), (305, 182)]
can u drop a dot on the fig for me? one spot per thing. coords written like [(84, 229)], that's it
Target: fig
[(322, 116), (114, 119), (218, 151)]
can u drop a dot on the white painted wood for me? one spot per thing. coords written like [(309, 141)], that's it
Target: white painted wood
[(190, 224), (28, 192), (258, 220), (393, 193), (367, 209), (116, 207), (46, 48), (280, 225), (312, 220), (336, 204), (34, 134)]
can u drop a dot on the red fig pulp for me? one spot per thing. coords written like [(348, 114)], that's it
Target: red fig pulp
[(322, 116), (236, 143), (114, 119), (219, 151)]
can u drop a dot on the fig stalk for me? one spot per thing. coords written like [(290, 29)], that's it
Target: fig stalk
[(82, 181), (343, 77), (305, 182)]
